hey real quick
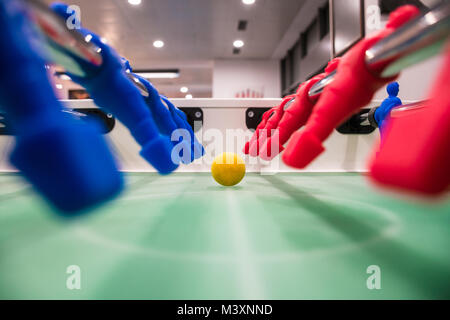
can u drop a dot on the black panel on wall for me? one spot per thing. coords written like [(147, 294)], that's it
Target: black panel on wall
[(283, 74), (387, 6), (324, 20), (290, 72), (297, 57), (304, 44)]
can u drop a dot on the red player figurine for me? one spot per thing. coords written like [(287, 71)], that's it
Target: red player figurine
[(414, 154), (296, 114), (267, 126), (352, 88), (285, 119)]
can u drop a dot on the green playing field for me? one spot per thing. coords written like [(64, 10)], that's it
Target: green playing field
[(285, 236)]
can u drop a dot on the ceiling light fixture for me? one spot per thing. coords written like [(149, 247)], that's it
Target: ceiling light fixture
[(248, 2), (189, 96), (184, 89), (135, 2), (158, 44), (158, 74), (238, 43)]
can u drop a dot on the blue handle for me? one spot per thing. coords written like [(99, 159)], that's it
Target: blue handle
[(67, 161)]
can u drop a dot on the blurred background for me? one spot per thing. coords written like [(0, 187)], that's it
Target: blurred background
[(237, 48)]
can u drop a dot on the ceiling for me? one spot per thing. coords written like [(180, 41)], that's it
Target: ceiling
[(195, 32)]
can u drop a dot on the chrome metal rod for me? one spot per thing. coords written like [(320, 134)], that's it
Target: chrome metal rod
[(142, 89), (66, 47), (416, 41), (403, 109)]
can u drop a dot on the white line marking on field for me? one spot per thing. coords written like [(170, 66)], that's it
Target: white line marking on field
[(248, 277)]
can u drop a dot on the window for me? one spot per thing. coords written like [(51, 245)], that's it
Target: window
[(324, 21), (284, 79), (290, 64), (387, 6), (309, 38), (304, 44)]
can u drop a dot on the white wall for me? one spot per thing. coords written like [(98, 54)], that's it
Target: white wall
[(233, 76), (415, 82)]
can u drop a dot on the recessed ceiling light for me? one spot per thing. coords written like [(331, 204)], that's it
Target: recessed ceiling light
[(189, 96), (184, 89), (59, 86), (88, 38), (135, 2), (248, 2), (238, 44), (158, 44), (104, 40), (159, 75)]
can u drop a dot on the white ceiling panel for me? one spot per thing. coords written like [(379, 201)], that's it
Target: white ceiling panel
[(192, 30)]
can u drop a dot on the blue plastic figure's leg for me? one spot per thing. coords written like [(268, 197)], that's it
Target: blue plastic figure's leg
[(160, 112), (165, 122), (66, 161), (169, 118), (180, 118)]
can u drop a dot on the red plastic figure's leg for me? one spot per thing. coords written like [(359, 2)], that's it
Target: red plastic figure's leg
[(271, 125), (415, 153), (295, 115), (352, 88), (264, 130)]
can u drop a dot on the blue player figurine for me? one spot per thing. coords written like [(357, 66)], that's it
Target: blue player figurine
[(66, 160), (383, 112), (113, 91)]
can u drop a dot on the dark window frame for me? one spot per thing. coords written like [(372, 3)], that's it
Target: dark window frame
[(324, 21)]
